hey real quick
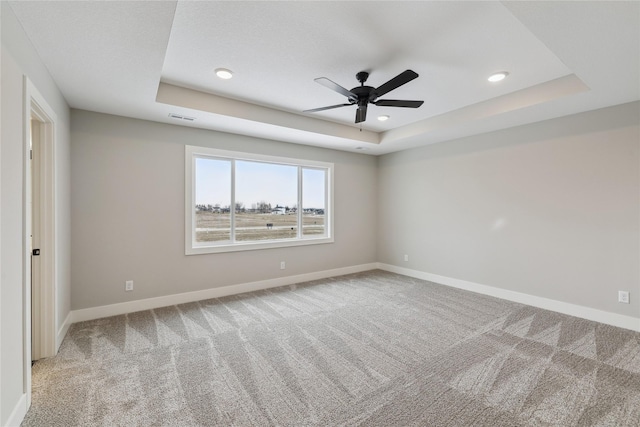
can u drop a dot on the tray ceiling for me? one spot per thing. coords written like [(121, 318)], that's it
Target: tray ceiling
[(149, 59)]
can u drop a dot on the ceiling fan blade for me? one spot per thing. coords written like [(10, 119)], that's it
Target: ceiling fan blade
[(396, 82), (336, 87), (361, 113), (326, 108), (398, 103)]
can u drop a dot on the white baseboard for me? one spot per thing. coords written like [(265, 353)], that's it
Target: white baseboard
[(18, 413), (588, 313), (63, 331), (164, 301)]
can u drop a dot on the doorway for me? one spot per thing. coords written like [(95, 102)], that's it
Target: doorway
[(34, 242), (39, 296)]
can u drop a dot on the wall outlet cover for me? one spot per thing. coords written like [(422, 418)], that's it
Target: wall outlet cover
[(623, 297)]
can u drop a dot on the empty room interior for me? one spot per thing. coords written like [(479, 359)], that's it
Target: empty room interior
[(288, 213)]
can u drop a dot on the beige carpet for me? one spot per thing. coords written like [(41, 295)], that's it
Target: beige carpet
[(367, 349)]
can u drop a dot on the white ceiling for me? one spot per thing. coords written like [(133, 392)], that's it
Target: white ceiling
[(148, 59)]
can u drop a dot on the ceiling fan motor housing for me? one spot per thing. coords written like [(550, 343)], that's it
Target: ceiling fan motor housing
[(362, 92)]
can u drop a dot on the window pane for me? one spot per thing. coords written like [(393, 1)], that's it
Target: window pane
[(313, 201), (266, 194), (241, 201), (213, 200)]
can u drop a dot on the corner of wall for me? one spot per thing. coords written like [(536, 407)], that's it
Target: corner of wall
[(614, 319)]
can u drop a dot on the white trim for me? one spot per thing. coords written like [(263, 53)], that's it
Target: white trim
[(588, 313), (254, 246), (26, 249), (38, 107), (18, 413), (35, 105), (62, 332), (164, 301)]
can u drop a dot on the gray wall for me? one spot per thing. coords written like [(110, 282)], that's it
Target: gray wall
[(20, 58), (127, 212), (550, 209)]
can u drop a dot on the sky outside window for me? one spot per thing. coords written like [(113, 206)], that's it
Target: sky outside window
[(313, 188), (213, 182), (255, 182), (266, 182)]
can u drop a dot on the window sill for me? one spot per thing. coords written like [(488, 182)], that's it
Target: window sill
[(252, 246)]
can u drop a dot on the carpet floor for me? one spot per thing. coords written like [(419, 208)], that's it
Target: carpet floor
[(373, 349)]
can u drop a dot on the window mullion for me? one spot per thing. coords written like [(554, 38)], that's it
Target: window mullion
[(299, 211), (232, 208), (327, 208), (193, 199)]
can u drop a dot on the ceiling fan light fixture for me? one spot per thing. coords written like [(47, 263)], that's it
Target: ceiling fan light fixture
[(383, 118), (224, 73), (499, 76)]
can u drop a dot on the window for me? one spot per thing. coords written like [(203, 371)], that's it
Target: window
[(241, 201)]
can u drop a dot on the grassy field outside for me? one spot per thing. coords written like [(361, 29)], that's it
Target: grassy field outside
[(214, 227)]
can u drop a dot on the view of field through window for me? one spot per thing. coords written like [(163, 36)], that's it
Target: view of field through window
[(266, 206)]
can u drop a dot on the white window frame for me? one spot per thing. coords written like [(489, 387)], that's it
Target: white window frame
[(193, 248)]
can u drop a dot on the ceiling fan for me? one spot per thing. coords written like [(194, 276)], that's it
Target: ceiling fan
[(364, 95)]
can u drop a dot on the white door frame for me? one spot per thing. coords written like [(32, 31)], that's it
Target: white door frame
[(34, 203), (37, 108)]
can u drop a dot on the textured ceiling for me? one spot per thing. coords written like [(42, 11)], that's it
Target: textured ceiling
[(149, 59)]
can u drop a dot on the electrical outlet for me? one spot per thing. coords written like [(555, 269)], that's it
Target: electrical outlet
[(282, 265), (406, 257), (623, 297), (128, 285)]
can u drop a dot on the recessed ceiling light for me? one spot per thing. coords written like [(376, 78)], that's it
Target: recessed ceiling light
[(223, 73), (493, 78), (383, 118)]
